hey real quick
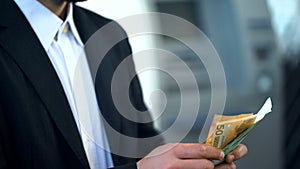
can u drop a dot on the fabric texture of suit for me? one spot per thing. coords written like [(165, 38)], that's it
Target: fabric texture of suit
[(292, 116), (37, 128)]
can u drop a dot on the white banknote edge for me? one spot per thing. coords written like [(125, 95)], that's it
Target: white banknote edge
[(264, 110)]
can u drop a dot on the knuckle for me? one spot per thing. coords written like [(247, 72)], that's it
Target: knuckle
[(172, 165), (179, 149), (210, 167), (176, 150), (208, 164), (172, 149), (202, 149)]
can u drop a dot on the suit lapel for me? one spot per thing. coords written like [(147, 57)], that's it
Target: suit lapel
[(86, 27), (20, 42)]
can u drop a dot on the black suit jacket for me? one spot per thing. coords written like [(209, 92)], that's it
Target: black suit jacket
[(37, 128), (292, 116)]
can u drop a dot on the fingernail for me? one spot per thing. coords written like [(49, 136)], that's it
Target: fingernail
[(222, 155), (230, 158)]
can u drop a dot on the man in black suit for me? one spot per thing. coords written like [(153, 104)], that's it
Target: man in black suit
[(37, 126)]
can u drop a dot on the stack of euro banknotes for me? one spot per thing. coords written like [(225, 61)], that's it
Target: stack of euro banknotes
[(227, 132)]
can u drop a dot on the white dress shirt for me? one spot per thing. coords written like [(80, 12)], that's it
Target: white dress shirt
[(64, 47)]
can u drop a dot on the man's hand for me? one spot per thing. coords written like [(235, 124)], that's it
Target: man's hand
[(181, 156), (236, 154), (191, 156)]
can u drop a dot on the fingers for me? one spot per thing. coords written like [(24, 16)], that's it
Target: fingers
[(190, 156), (226, 166), (198, 151), (176, 164), (194, 164), (181, 156), (237, 153)]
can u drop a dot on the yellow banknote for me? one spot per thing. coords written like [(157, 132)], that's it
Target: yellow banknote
[(224, 129)]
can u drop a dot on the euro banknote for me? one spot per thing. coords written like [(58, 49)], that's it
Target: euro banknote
[(227, 132)]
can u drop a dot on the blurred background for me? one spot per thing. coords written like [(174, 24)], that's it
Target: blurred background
[(258, 44)]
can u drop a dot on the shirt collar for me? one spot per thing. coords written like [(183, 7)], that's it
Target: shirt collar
[(45, 23)]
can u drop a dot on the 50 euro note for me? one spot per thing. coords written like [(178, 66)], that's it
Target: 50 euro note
[(227, 132), (224, 129)]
